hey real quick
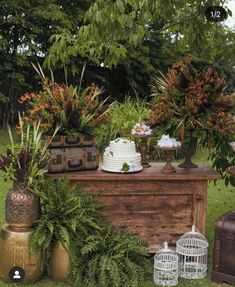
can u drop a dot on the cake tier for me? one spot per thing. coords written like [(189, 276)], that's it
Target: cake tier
[(115, 164), (122, 147)]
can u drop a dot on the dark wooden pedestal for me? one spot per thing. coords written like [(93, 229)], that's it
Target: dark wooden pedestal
[(158, 207)]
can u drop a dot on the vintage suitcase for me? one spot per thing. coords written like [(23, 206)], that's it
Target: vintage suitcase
[(66, 141), (224, 250), (73, 159)]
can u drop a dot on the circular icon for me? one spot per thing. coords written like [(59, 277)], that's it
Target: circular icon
[(216, 14), (16, 274)]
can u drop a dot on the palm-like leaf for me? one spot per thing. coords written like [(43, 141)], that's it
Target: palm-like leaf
[(29, 156)]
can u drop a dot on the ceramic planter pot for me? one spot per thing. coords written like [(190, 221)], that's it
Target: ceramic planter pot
[(16, 251), (59, 262), (22, 208)]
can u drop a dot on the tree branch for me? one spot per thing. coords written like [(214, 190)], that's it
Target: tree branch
[(177, 23)]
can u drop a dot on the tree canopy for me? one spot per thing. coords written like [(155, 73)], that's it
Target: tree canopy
[(124, 42)]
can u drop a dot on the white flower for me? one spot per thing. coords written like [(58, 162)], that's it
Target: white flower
[(166, 141), (141, 129)]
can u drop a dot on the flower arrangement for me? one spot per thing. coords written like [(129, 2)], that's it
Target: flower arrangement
[(141, 129), (74, 110), (189, 103), (187, 100), (166, 141)]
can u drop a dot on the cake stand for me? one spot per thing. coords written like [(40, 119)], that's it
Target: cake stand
[(168, 168), (143, 149)]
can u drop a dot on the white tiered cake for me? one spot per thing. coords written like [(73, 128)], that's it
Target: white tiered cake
[(121, 156)]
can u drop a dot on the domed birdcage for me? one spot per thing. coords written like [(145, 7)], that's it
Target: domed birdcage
[(192, 249), (166, 267)]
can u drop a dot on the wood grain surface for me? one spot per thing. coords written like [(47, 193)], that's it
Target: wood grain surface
[(203, 172), (158, 207)]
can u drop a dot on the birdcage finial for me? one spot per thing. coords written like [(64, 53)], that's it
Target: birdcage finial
[(165, 245), (194, 229)]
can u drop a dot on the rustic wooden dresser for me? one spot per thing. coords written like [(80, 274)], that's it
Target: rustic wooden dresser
[(156, 206)]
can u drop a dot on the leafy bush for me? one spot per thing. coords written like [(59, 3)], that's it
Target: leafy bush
[(111, 258), (122, 118), (67, 215), (25, 161), (223, 157)]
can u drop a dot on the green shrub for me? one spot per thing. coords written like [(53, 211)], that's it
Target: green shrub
[(122, 118), (67, 215), (111, 259)]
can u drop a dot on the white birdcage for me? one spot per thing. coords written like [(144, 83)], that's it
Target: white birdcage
[(166, 267), (192, 249)]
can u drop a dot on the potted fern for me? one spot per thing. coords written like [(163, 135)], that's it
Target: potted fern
[(67, 216), (110, 258), (78, 111)]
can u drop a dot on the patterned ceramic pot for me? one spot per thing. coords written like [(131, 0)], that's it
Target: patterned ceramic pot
[(22, 208), (16, 250)]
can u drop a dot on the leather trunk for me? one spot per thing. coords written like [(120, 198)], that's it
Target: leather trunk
[(224, 249)]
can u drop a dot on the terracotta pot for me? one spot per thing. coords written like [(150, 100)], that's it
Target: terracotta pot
[(59, 262), (22, 208), (188, 150)]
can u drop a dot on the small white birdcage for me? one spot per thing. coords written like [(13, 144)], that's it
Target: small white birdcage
[(166, 267), (192, 249)]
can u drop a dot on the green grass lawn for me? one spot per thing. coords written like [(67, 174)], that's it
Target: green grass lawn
[(220, 199)]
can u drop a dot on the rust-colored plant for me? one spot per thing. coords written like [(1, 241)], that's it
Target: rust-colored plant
[(192, 103), (74, 110), (186, 100)]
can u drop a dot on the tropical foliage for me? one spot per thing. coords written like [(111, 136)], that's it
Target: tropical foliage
[(24, 32), (123, 51), (67, 215), (74, 110), (190, 100), (193, 103), (27, 160), (121, 119), (100, 255), (111, 258)]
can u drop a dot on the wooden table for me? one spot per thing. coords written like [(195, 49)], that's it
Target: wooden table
[(158, 207)]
